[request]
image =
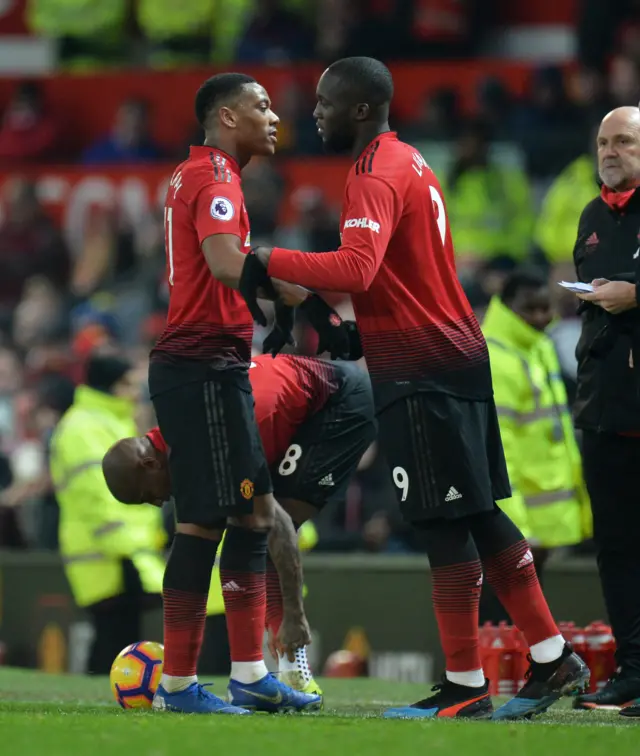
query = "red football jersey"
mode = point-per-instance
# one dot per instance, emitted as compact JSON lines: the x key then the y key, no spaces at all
{"x":206,"y":318}
{"x":397,"y":260}
{"x":287,"y":391}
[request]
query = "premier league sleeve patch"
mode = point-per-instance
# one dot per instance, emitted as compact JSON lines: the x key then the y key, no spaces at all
{"x":222,"y":209}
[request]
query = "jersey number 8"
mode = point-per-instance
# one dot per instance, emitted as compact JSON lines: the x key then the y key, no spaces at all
{"x":289,"y":462}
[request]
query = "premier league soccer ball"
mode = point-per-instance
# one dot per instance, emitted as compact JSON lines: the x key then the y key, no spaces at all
{"x":135,"y":674}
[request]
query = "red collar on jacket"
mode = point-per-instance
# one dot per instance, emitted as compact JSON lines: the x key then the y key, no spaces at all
{"x":616,"y":200}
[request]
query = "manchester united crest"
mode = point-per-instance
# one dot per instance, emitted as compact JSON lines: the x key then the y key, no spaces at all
{"x":246,"y":488}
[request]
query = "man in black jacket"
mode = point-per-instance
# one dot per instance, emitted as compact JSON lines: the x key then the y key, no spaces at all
{"x":607,"y":406}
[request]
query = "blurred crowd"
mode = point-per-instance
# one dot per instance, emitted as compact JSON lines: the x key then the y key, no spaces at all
{"x":164,"y":34}
{"x":516,"y":174}
{"x":161,"y":33}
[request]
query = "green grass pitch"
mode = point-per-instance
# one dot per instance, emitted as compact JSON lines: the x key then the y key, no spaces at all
{"x":51,"y":715}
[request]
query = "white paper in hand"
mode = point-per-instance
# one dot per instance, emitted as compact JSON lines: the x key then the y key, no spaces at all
{"x":577,"y":287}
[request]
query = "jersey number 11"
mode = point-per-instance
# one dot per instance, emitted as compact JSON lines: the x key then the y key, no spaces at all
{"x":168,"y":239}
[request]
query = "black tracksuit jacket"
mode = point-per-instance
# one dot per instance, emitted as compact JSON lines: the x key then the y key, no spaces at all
{"x":608,"y":391}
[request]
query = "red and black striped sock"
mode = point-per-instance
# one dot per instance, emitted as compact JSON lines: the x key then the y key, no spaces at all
{"x":457,"y":582}
{"x":242,"y":573}
{"x":512,"y":575}
{"x":184,"y":591}
{"x":509,"y":569}
{"x":274,"y":598}
{"x":456,"y":599}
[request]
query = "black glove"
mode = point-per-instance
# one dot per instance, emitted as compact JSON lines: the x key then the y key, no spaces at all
{"x":355,"y":345}
{"x":281,"y":333}
{"x":334,"y":336}
{"x":254,"y":277}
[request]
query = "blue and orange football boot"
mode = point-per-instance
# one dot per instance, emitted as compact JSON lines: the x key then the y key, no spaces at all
{"x":451,"y":701}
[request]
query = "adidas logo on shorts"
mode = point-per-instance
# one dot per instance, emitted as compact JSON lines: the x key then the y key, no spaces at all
{"x":326,"y":481}
{"x":453,"y":494}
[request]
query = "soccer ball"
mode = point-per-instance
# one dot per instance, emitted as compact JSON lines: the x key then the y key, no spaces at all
{"x":135,"y":674}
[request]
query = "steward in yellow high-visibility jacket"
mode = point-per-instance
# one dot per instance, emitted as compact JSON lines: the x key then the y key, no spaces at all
{"x":489,"y":205}
{"x":97,"y":29}
{"x":112,"y":553}
{"x":179,"y":37}
{"x":562,"y":206}
{"x":550,"y":504}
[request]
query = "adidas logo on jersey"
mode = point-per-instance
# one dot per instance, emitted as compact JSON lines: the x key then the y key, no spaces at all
{"x":453,"y":494}
{"x":326,"y":481}
{"x":232,"y":587}
{"x":526,"y":559}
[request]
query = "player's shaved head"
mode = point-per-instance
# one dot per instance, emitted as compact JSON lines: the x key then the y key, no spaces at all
{"x":136,"y":472}
{"x":354,"y":95}
{"x":363,"y":80}
{"x":619,"y":148}
{"x":119,"y":467}
{"x":219,"y":90}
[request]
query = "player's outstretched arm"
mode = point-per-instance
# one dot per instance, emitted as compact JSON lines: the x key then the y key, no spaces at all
{"x":370,"y":218}
{"x":284,"y":552}
{"x":326,"y":321}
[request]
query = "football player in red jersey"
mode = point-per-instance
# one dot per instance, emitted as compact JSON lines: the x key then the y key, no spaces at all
{"x":316,"y":420}
{"x":431,"y":378}
{"x":202,"y":399}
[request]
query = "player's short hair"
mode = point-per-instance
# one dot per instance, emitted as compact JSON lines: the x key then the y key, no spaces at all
{"x":367,"y":79}
{"x":117,"y":464}
{"x":217,"y":90}
{"x":526,"y":277}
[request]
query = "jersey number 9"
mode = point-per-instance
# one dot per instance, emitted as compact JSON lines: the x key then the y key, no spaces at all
{"x":401,"y":479}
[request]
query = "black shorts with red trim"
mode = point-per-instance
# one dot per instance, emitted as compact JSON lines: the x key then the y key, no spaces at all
{"x":206,"y":416}
{"x":325,"y":451}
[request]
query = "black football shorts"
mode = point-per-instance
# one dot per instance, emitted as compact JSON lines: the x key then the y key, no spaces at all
{"x":326,"y":449}
{"x":216,"y":459}
{"x":445,"y":455}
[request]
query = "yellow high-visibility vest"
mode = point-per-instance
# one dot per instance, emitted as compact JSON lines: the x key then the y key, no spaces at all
{"x":550,"y":503}
{"x":96,"y":531}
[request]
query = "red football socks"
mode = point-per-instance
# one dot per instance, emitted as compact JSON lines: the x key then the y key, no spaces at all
{"x":512,"y":575}
{"x":242,"y":573}
{"x":274,"y":598}
{"x":184,"y":592}
{"x":184,"y":619}
{"x":456,"y":597}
